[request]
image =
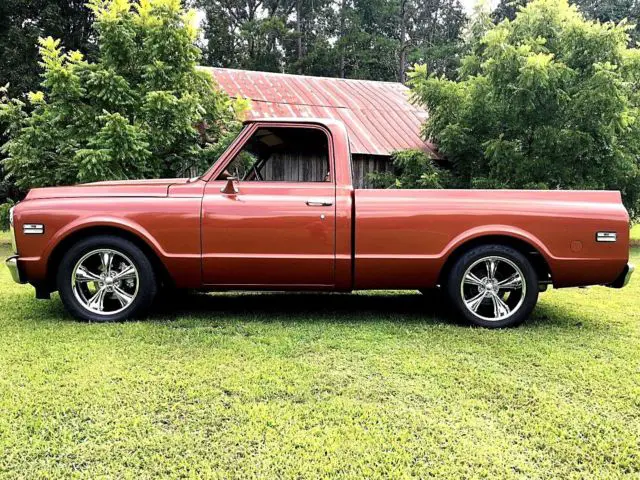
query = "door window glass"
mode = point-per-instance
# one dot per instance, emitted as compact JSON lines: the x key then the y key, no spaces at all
{"x":277,"y":154}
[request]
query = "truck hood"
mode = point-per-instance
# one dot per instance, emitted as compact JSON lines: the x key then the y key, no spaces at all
{"x":114,"y":188}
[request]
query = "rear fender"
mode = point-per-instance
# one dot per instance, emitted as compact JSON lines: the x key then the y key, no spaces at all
{"x":501,"y":231}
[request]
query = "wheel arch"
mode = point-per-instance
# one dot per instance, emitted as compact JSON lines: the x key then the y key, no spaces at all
{"x":85,"y":231}
{"x":534,"y":253}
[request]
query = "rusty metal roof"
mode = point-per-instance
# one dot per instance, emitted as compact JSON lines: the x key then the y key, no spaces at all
{"x":378,"y":115}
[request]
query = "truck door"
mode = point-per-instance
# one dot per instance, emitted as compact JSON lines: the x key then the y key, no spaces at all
{"x":275,"y":225}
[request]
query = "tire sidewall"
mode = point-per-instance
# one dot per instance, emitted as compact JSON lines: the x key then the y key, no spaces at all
{"x":467,"y":259}
{"x":147,"y":282}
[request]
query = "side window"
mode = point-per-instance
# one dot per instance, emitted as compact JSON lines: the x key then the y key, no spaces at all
{"x":282,"y":155}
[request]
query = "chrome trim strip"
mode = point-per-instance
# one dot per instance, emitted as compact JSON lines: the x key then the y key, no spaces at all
{"x":33,"y":228}
{"x":606,"y":236}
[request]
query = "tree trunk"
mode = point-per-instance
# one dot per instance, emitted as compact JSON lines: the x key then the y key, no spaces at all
{"x":403,"y":34}
{"x":299,"y":33}
{"x":343,"y":21}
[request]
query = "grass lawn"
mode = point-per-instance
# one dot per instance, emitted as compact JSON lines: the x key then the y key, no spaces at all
{"x":635,"y":235}
{"x":310,"y":386}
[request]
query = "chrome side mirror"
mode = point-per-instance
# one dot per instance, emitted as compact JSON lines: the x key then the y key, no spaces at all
{"x":230,"y":188}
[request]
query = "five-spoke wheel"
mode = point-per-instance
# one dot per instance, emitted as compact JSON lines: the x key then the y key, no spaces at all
{"x":106,"y":278}
{"x":105,"y":281}
{"x":493,"y":286}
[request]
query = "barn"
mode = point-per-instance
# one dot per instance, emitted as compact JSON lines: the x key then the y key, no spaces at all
{"x":378,"y":115}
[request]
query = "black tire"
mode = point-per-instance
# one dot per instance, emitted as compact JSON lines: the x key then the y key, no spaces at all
{"x":146,"y":279}
{"x":436,"y":295}
{"x":169,"y":295}
{"x":518,"y":307}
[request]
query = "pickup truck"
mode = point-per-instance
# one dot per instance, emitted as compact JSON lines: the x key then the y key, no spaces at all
{"x":278,"y":211}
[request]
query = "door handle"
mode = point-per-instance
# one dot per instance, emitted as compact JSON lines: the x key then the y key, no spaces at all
{"x":319,"y":203}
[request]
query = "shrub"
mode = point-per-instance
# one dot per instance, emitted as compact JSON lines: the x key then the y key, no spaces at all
{"x":411,"y":169}
{"x":4,"y":214}
{"x":132,"y":113}
{"x":548,"y":100}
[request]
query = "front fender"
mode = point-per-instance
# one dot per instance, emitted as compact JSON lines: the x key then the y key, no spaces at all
{"x":36,"y":265}
{"x":102,"y":221}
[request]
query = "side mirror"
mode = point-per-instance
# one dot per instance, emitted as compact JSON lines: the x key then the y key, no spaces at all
{"x":230,"y":187}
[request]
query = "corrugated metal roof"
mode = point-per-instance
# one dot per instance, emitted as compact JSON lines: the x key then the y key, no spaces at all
{"x":378,"y":115}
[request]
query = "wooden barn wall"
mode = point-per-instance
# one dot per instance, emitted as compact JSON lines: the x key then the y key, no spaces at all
{"x":314,"y":168}
{"x":296,"y":167}
{"x":362,"y":165}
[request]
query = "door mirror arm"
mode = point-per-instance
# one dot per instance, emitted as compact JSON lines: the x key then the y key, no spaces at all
{"x":230,"y":188}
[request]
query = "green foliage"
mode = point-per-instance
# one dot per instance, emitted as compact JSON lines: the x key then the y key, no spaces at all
{"x":4,"y":214}
{"x":22,"y":22}
{"x":615,"y":11}
{"x":132,"y":113}
{"x":548,"y":100}
{"x":411,"y":169}
{"x":369,"y":39}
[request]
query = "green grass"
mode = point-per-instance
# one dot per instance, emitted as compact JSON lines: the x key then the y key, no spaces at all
{"x":315,"y":386}
{"x":635,"y":235}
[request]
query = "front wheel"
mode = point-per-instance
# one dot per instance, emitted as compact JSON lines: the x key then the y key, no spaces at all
{"x":493,"y":286}
{"x":106,"y":278}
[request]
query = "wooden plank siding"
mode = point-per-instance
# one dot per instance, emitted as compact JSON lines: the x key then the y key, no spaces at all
{"x":313,"y":168}
{"x":305,"y":168}
{"x":296,"y":167}
{"x":362,"y":165}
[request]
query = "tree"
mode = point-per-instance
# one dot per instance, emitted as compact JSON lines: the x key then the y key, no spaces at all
{"x":23,"y":21}
{"x":270,"y":35}
{"x":549,"y":101}
{"x":434,"y":35}
{"x":369,"y":39}
{"x":368,"y":44}
{"x":603,"y":10}
{"x":132,"y":113}
{"x":308,"y":41}
{"x":507,"y":9}
{"x":244,"y":33}
{"x":378,"y":39}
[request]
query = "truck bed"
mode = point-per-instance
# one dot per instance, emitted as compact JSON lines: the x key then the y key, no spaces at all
{"x":404,"y":237}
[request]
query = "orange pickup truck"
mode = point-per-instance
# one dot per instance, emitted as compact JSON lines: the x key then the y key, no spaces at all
{"x":278,"y":211}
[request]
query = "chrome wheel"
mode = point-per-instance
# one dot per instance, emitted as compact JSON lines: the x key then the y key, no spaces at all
{"x":105,"y":281}
{"x":493,"y":288}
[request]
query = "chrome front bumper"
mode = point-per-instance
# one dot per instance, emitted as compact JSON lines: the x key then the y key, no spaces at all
{"x":12,"y":265}
{"x":624,"y":277}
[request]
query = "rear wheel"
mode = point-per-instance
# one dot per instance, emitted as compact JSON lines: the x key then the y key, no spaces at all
{"x":493,"y":286}
{"x":106,"y":278}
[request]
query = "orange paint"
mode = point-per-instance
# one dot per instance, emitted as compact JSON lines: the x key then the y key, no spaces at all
{"x":266,"y":236}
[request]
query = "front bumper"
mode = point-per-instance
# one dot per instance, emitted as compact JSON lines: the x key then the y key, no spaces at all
{"x":12,"y":265}
{"x":624,"y":277}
